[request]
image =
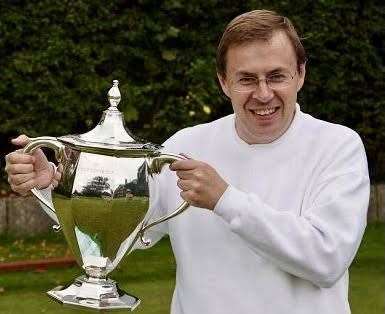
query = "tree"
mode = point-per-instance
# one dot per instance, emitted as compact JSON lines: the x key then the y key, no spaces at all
{"x":58,"y":60}
{"x":96,"y":187}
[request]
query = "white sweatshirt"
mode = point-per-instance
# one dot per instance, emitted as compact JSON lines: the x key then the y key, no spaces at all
{"x":282,"y":236}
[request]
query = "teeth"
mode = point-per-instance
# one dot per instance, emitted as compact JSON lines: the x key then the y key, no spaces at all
{"x":264,"y":112}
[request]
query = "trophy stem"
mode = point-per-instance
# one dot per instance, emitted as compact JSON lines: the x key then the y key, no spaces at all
{"x":94,"y":293}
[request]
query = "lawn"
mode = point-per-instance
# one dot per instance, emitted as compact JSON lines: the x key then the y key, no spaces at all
{"x":147,"y":274}
{"x":367,"y":273}
{"x":150,"y":275}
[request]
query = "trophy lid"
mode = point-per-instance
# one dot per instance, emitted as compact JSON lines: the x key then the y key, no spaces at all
{"x":110,"y":136}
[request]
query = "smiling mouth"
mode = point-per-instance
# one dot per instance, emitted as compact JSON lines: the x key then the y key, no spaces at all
{"x":265,"y":112}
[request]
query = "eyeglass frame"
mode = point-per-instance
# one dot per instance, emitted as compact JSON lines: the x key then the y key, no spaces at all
{"x":266,"y":79}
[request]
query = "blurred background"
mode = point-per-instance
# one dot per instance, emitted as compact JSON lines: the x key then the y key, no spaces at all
{"x":58,"y":60}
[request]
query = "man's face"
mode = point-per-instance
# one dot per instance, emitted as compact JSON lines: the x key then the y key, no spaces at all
{"x":263,"y":114}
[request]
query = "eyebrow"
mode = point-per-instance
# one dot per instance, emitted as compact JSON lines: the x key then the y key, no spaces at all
{"x":247,"y":73}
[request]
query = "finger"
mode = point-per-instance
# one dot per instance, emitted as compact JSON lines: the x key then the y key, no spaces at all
{"x":19,"y":168}
{"x":57,"y":176}
{"x":54,"y":183}
{"x":60,"y":168}
{"x":185,"y":185}
{"x":189,"y":196}
{"x":24,"y":188}
{"x":22,"y":193}
{"x":20,"y":178}
{"x":187,"y":164}
{"x":19,"y":158}
{"x":21,"y":140}
{"x":185,"y":174}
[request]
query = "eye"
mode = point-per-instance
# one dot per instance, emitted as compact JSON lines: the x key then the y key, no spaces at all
{"x":279,"y":77}
{"x":246,"y":80}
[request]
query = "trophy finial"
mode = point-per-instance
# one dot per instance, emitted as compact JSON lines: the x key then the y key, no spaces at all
{"x":114,"y":95}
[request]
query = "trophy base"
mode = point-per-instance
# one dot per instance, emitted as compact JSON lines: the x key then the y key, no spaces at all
{"x":94,"y":293}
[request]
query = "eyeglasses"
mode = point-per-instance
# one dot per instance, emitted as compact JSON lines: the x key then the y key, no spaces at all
{"x":274,"y":81}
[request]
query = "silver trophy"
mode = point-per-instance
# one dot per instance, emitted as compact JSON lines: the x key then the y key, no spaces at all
{"x":102,"y":203}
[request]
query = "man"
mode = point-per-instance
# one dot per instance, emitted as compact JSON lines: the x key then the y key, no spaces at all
{"x":279,"y":198}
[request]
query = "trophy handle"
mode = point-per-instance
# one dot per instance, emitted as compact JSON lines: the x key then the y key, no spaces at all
{"x":58,"y":148}
{"x":155,"y":166}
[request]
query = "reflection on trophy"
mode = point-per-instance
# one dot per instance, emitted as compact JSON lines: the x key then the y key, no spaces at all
{"x":102,"y":203}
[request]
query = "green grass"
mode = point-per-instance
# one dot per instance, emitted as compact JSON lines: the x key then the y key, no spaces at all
{"x":147,"y":274}
{"x":38,"y":247}
{"x":367,"y":273}
{"x":150,"y":275}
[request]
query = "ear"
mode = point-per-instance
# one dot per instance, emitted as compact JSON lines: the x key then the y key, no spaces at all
{"x":224,"y":85}
{"x":301,"y":76}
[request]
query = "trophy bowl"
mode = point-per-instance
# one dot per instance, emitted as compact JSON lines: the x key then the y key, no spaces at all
{"x":102,"y":203}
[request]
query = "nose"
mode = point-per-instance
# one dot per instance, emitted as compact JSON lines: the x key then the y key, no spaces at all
{"x":262,"y":92}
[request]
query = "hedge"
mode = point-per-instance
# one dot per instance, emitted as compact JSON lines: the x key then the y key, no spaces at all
{"x":58,"y":59}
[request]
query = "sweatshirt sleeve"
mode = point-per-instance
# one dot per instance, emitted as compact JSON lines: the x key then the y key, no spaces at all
{"x":320,"y":243}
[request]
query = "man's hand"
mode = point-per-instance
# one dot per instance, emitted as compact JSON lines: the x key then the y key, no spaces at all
{"x":29,"y":171}
{"x":201,"y":185}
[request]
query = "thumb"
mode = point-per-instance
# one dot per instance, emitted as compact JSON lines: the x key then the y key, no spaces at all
{"x":21,"y":140}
